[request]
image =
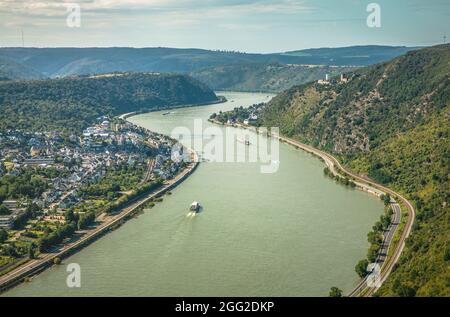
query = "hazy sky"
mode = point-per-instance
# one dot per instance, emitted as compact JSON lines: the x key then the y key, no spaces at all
{"x":244,"y":25}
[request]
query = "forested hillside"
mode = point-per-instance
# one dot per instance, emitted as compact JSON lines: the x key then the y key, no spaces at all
{"x":390,"y":122}
{"x":73,"y":103}
{"x":270,"y":77}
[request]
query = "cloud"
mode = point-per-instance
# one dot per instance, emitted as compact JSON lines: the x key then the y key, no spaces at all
{"x":56,"y":7}
{"x":246,"y":27}
{"x":245,"y":15}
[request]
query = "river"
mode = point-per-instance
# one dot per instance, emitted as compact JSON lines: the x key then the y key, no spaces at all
{"x":290,"y":233}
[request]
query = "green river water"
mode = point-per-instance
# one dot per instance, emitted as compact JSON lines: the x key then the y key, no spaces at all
{"x":290,"y":233}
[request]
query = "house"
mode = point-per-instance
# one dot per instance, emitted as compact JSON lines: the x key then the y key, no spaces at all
{"x":325,"y":81}
{"x":39,"y":161}
{"x":74,"y":178}
{"x":130,"y":161}
{"x":68,"y":202}
{"x":35,"y":150}
{"x":252,"y":118}
{"x":105,"y":124}
{"x":39,"y":202}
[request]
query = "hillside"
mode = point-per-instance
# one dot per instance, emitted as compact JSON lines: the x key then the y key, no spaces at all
{"x":60,"y":62}
{"x":72,"y":103}
{"x":390,"y":122}
{"x":272,"y":77}
{"x":10,"y":70}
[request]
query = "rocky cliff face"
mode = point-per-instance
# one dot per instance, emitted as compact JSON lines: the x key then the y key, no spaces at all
{"x":375,"y":103}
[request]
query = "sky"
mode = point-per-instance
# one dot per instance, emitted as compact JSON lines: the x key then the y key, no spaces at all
{"x":258,"y":26}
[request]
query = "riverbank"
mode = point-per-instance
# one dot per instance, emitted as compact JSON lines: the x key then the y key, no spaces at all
{"x":277,"y":215}
{"x":388,"y":260}
{"x":83,"y":238}
{"x":125,"y":116}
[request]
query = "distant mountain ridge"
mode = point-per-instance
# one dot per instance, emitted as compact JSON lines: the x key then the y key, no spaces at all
{"x":360,"y":55}
{"x":267,"y":77}
{"x":61,"y":62}
{"x":11,"y":70}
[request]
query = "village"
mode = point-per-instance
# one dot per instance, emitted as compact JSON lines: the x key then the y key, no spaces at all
{"x":65,"y":164}
{"x":240,"y":115}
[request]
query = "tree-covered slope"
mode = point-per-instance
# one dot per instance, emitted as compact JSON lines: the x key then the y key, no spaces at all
{"x":376,"y":103}
{"x":72,"y":103}
{"x":416,"y":163}
{"x":390,"y":122}
{"x":271,"y":77}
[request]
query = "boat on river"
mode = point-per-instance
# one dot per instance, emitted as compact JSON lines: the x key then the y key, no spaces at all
{"x":195,"y":206}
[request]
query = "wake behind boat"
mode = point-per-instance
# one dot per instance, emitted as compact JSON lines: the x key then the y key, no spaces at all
{"x":246,"y":142}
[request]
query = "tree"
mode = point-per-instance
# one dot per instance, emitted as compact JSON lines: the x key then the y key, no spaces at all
{"x":32,"y":251}
{"x":86,"y":220}
{"x":335,"y":292}
{"x":373,"y":252}
{"x":4,"y":210}
{"x":361,"y":268}
{"x":403,"y":290}
{"x":386,"y":199}
{"x":3,"y":193}
{"x":70,"y":216}
{"x":3,"y":235}
{"x":385,"y":221}
{"x":378,"y":227}
{"x":374,"y":237}
{"x":34,"y":208}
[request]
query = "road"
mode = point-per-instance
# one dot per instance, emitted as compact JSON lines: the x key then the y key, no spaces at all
{"x":368,"y":185}
{"x":46,"y":259}
{"x":148,"y":172}
{"x":382,"y":255}
{"x":376,"y":189}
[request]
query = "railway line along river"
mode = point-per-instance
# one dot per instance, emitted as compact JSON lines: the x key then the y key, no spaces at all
{"x":290,"y":233}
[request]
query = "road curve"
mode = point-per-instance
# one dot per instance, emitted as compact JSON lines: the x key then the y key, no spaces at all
{"x":373,"y":188}
{"x":362,"y":289}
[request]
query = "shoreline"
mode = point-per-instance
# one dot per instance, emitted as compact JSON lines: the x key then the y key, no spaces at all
{"x":33,"y":267}
{"x":369,"y":186}
{"x":220,"y":99}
